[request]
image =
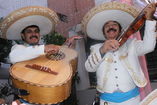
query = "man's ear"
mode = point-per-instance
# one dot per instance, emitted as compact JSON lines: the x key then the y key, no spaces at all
{"x":22,"y":36}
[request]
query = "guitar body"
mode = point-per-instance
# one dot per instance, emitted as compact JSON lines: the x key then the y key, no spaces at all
{"x":44,"y":87}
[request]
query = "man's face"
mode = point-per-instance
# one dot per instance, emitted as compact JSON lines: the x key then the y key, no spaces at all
{"x":111,"y":30}
{"x":31,"y":35}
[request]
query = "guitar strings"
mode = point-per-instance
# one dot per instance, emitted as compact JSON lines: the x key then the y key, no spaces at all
{"x":49,"y":62}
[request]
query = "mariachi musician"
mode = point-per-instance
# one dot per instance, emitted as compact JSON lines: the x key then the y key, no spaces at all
{"x":119,"y":74}
{"x":28,"y":26}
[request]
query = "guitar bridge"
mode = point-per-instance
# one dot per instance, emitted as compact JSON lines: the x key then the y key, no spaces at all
{"x":41,"y":68}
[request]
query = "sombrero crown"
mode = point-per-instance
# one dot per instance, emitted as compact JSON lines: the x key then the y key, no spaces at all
{"x":14,"y":23}
{"x":94,"y":20}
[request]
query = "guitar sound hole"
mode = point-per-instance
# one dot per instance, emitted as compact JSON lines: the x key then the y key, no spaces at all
{"x":58,"y":56}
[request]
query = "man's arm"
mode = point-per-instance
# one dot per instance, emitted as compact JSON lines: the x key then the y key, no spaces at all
{"x":149,"y":40}
{"x":70,"y":41}
{"x":21,"y":53}
{"x":94,"y":59}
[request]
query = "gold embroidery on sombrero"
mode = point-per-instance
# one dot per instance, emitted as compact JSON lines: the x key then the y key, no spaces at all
{"x":24,"y":12}
{"x":107,"y":6}
{"x":150,"y":99}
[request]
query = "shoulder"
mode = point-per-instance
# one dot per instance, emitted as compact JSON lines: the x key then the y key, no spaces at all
{"x":131,"y":41}
{"x":18,"y":46}
{"x":150,"y":23}
{"x":96,"y":46}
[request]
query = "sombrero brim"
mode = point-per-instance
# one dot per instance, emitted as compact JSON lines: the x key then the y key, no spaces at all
{"x":150,"y":99}
{"x":13,"y":24}
{"x":94,"y":20}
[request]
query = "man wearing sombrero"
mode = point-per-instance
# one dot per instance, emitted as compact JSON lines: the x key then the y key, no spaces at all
{"x":28,"y":24}
{"x":119,"y":74}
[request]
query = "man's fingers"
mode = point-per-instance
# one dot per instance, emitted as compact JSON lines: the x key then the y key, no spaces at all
{"x":52,"y":49}
{"x":114,"y":45}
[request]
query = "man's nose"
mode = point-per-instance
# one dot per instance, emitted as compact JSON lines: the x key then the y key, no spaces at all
{"x":110,"y":26}
{"x":34,"y":33}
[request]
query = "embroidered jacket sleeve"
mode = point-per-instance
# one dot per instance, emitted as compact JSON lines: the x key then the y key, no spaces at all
{"x":21,"y":53}
{"x":149,"y":40}
{"x":94,"y":59}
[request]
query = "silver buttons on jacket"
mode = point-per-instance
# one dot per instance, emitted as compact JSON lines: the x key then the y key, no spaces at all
{"x":117,"y":85}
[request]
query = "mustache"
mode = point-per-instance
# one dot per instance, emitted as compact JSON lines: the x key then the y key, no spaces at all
{"x":111,"y":29}
{"x":33,"y":37}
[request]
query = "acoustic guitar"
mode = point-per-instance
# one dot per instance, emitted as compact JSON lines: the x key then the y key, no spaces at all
{"x":46,"y":78}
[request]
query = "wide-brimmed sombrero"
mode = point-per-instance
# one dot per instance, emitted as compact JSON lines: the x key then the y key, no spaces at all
{"x":150,"y":99}
{"x":94,"y":20}
{"x":14,"y":23}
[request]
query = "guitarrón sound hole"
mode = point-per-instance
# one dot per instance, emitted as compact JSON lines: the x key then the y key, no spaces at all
{"x":58,"y":56}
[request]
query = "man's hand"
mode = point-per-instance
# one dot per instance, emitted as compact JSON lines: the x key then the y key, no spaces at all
{"x":17,"y":102}
{"x":150,"y":10}
{"x":71,"y":40}
{"x":109,"y":45}
{"x":2,"y":101}
{"x":51,"y":49}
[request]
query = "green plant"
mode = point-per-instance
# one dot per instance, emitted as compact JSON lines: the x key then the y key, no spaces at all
{"x":54,"y":38}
